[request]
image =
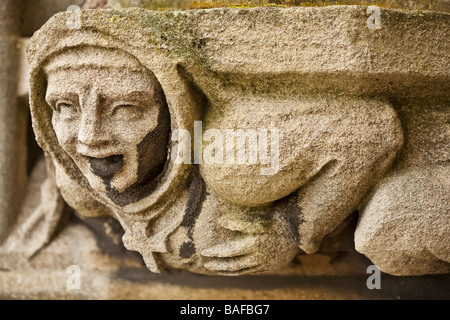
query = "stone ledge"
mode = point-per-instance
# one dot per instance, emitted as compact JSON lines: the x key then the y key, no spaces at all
{"x":139,"y":285}
{"x":324,"y":49}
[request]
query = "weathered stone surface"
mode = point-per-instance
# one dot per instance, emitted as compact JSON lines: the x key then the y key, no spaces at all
{"x":327,"y":97}
{"x":404,"y":228}
{"x":108,"y":271}
{"x":350,"y":119}
{"x":435,"y":5}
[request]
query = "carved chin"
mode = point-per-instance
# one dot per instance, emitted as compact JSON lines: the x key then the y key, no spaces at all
{"x":127,"y":175}
{"x":97,"y":183}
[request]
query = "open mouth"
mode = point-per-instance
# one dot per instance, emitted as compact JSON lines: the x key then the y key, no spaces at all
{"x":106,"y":167}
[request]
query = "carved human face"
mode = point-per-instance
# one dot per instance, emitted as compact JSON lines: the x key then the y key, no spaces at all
{"x":112,"y":122}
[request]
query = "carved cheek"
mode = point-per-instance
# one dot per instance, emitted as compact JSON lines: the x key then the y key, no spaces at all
{"x":130,"y":129}
{"x":66,"y":131}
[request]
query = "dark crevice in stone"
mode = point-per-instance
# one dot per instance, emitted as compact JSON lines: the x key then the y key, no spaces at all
{"x":148,"y":178}
{"x":106,"y":167}
{"x":292,"y":215}
{"x":187,"y":250}
{"x":197,"y":188}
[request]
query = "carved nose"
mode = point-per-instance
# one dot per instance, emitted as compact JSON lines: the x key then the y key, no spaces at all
{"x":92,"y":134}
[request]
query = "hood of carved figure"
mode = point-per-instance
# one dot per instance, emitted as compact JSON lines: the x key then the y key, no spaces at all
{"x":110,"y":116}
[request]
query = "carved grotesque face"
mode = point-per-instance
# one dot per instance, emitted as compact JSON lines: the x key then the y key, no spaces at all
{"x":111,"y":119}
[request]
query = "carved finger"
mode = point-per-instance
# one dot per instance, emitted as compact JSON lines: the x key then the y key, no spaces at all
{"x":239,"y":264}
{"x":231,"y":249}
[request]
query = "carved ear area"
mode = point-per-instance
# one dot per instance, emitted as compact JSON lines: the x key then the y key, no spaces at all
{"x":153,"y":149}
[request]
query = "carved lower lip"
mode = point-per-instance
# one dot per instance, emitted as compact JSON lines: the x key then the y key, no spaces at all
{"x":106,"y":167}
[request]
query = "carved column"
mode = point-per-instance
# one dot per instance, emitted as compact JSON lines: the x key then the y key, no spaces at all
{"x":12,"y":119}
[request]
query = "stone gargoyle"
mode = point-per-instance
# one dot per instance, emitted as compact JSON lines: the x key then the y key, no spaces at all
{"x":227,"y":141}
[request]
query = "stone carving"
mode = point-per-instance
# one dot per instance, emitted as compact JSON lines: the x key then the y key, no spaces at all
{"x":115,"y":102}
{"x":111,"y":119}
{"x":405,"y":225}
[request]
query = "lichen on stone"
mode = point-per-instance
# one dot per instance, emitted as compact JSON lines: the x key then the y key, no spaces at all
{"x":175,"y":31}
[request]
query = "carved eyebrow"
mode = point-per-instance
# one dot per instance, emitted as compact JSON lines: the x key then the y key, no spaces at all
{"x":55,"y":96}
{"x":138,"y":95}
{"x":134,"y":96}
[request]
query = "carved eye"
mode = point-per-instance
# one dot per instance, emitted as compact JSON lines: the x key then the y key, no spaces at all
{"x":65,"y":106}
{"x":129,"y":111}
